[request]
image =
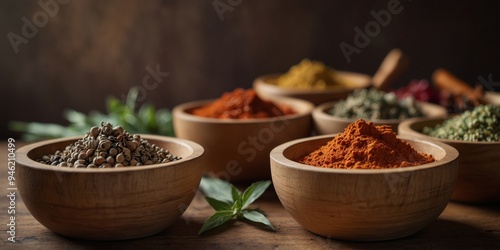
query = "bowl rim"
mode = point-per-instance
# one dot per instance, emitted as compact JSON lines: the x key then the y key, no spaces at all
{"x":261,"y":81}
{"x":23,"y":159}
{"x":405,"y":126}
{"x":277,"y":156}
{"x":180,"y":111}
{"x":320,"y":112}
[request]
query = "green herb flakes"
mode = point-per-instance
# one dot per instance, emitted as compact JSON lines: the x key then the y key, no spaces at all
{"x":374,"y":104}
{"x":480,"y":124}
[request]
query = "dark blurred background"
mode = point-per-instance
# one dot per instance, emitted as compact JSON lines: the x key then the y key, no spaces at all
{"x":84,"y":51}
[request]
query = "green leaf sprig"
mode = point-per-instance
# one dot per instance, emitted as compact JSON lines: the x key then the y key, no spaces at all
{"x":229,"y":202}
{"x":146,"y":120}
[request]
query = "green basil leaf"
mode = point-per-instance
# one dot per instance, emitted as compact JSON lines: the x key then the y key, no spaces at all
{"x":216,"y":188}
{"x":236,"y":194}
{"x":119,"y":112}
{"x":132,"y":95}
{"x":218,"y":204}
{"x":147,"y":116}
{"x":113,"y":105}
{"x":215,"y":220}
{"x":75,"y":117}
{"x":253,"y":192}
{"x":164,"y":120}
{"x":258,"y":217}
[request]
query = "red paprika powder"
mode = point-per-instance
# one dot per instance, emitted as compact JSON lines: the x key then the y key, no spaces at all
{"x":365,"y":146}
{"x":242,"y":104}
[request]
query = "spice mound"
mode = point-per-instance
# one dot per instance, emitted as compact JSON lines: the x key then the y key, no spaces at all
{"x":375,"y":104}
{"x":365,"y":146}
{"x":480,"y":124}
{"x":109,"y":147}
{"x":242,"y":104}
{"x":310,"y":74}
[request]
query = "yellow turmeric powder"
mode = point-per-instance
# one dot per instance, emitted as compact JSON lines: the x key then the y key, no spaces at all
{"x":310,"y":74}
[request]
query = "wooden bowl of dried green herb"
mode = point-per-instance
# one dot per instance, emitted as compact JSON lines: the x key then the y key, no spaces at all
{"x":109,"y":203}
{"x":475,"y":134}
{"x":363,"y":199}
{"x":376,"y":106}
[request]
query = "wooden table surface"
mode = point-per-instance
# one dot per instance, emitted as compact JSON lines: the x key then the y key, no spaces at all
{"x":460,"y":226}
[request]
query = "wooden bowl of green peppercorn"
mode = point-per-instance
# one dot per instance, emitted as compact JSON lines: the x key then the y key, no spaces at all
{"x":478,"y":178}
{"x":108,"y":203}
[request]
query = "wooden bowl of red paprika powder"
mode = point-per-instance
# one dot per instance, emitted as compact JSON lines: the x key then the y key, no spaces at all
{"x":363,"y":204}
{"x":236,"y":133}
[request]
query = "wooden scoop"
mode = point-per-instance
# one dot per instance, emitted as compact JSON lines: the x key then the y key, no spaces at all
{"x":447,"y":81}
{"x":394,"y":63}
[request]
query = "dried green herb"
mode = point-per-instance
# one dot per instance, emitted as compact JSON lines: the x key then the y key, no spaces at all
{"x":229,"y":202}
{"x":480,"y":124}
{"x":375,"y":104}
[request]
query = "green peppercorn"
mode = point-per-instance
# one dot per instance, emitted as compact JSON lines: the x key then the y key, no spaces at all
{"x":480,"y":124}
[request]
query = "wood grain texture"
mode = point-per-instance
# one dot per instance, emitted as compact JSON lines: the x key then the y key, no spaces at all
{"x":479,"y":163}
{"x":460,"y":226}
{"x":108,"y":204}
{"x":360,"y":204}
{"x":238,"y":149}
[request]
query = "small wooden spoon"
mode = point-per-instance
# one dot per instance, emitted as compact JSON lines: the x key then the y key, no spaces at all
{"x":394,"y":63}
{"x":447,"y":81}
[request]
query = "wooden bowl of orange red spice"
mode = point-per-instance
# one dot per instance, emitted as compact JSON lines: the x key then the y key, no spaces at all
{"x":115,"y":203}
{"x":479,"y":171}
{"x":239,"y":129}
{"x":311,"y":81}
{"x":371,"y":185}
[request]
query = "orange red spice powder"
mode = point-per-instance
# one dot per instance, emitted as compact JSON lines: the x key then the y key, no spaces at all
{"x":242,"y":104}
{"x":365,"y":146}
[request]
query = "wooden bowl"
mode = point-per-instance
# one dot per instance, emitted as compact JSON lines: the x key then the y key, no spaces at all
{"x":237,"y":150}
{"x":325,"y":123}
{"x":113,"y":203}
{"x":479,"y":172}
{"x":315,"y":96}
{"x":492,"y":97}
{"x":363,"y":204}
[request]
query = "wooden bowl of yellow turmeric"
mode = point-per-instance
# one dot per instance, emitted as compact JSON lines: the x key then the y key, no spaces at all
{"x":350,"y":198}
{"x":311,"y":81}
